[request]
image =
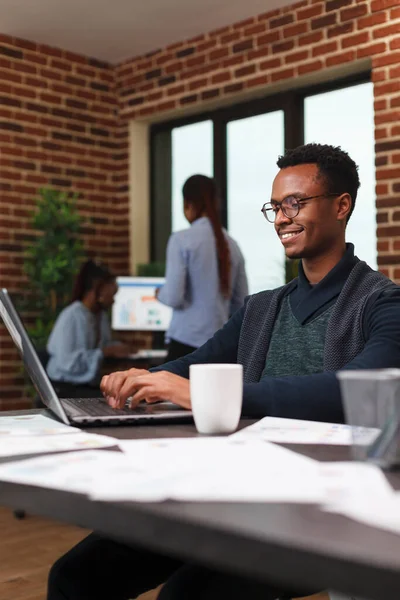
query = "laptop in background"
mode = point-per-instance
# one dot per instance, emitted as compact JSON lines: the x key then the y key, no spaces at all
{"x":136,"y":308}
{"x":78,"y":411}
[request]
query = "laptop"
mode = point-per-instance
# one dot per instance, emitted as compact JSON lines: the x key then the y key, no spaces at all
{"x":79,"y":411}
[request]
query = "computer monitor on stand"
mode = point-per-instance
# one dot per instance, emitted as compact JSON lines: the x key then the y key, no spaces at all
{"x":136,"y":308}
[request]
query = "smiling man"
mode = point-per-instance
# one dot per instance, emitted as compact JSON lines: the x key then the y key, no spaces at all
{"x":338,"y":313}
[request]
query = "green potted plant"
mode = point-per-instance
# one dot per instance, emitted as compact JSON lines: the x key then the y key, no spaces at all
{"x":53,"y":259}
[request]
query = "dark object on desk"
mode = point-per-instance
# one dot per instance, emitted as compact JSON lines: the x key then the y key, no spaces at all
{"x":80,"y":411}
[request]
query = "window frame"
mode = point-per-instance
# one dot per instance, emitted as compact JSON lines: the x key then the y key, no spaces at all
{"x":290,"y":101}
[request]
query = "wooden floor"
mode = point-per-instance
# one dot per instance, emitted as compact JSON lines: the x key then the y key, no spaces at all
{"x":28,"y":548}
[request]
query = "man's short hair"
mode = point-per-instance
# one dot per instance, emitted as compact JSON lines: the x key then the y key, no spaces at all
{"x":334,"y":165}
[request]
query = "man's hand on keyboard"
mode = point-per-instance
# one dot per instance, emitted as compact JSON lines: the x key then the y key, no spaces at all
{"x":112,"y":384}
{"x":139,"y":384}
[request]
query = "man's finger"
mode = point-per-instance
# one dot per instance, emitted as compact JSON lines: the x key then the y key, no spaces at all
{"x":103,"y":382}
{"x":132,"y":385}
{"x":111,"y":384}
{"x":146,"y":392}
{"x":114,"y":384}
{"x":106,"y":383}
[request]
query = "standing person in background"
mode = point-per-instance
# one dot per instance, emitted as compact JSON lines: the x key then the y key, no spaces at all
{"x":81,"y":336}
{"x":205,"y":278}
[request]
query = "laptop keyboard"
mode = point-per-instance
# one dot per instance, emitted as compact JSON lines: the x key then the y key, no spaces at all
{"x":98,"y":407}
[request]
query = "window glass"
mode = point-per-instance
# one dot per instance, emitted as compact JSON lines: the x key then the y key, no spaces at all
{"x":253,"y":147}
{"x":345,"y":118}
{"x":192,"y":152}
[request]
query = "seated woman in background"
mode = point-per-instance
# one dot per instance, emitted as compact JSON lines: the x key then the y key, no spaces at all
{"x":81,"y":336}
{"x":205,"y":277}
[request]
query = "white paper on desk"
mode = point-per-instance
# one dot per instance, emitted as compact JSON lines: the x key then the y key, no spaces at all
{"x":209,"y":452}
{"x":212,"y":469}
{"x":296,"y":431}
{"x":21,"y":445}
{"x":71,"y":471}
{"x":346,"y":482}
{"x":383,"y":513}
{"x":361,"y":492}
{"x":32,"y":425}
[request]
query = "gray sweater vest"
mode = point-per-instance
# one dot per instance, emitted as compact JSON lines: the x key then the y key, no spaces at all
{"x":296,"y":348}
{"x":344,"y":335}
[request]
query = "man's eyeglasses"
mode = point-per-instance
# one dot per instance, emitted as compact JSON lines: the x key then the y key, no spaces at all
{"x":290,"y":206}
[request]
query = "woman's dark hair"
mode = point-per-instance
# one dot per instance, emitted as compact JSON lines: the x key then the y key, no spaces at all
{"x":335,"y":166}
{"x":200,"y":192}
{"x":91,"y":275}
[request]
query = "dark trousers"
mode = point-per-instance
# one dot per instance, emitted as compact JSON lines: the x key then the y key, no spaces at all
{"x":192,"y":582}
{"x":101,"y":569}
{"x":177,"y":350}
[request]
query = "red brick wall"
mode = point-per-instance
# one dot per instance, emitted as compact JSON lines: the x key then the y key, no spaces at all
{"x":58,"y":128}
{"x":63,"y":118}
{"x":277,"y":47}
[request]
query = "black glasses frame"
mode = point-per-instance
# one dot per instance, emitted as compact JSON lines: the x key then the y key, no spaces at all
{"x":268,"y":209}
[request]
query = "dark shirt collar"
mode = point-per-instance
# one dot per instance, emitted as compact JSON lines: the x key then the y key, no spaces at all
{"x":307,"y":299}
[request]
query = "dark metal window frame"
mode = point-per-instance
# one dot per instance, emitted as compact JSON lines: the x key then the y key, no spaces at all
{"x":291,"y":102}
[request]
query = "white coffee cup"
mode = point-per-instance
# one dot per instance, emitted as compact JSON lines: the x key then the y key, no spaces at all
{"x":216,"y":392}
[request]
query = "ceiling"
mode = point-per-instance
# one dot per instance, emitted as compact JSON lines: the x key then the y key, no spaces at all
{"x":120,"y":29}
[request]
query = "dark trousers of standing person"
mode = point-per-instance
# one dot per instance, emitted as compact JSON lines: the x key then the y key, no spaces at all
{"x":177,"y":350}
{"x":101,"y":569}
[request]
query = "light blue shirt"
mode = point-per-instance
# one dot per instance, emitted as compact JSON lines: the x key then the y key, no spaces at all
{"x":192,"y":284}
{"x":74,"y":355}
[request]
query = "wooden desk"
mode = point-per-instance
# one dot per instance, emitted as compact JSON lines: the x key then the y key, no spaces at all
{"x":285,"y":543}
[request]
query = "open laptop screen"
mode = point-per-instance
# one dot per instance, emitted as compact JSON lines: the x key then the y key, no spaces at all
{"x":29,"y":355}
